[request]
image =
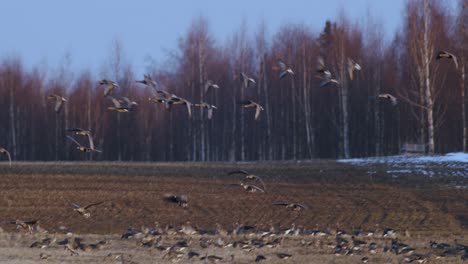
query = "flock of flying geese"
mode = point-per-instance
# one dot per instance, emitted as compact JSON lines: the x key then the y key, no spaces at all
{"x":124,"y":104}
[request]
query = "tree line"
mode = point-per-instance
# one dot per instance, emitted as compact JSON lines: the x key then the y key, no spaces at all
{"x":301,"y":120}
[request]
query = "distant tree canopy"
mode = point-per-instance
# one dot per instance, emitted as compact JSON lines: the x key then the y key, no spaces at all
{"x":300,"y":119}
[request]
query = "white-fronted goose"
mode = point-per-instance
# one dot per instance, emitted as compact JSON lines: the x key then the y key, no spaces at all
{"x":448,"y":55}
{"x":246,"y":80}
{"x":284,"y":70}
{"x":59,"y":100}
{"x":250,"y":103}
{"x":249,"y":176}
{"x":390,"y":97}
{"x":148,"y":81}
{"x":120,"y":106}
{"x":209,"y":108}
{"x":327,"y":79}
{"x":83,"y":210}
{"x":352,"y":66}
{"x":5,"y":152}
{"x":110,"y":85}
{"x":175,"y":100}
{"x":283,"y":255}
{"x":82,"y":148}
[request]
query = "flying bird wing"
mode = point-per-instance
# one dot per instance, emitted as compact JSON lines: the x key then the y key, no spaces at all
{"x":281,"y":65}
{"x":281,"y":204}
{"x":91,"y":142}
{"x":93,"y":204}
{"x":455,"y":61}
{"x":58,"y":105}
{"x":7,"y":153}
{"x":282,"y":74}
{"x":258,"y":108}
{"x":239,"y":172}
{"x":74,"y":205}
{"x":74,"y":140}
{"x":210,"y":113}
{"x":108,"y":89}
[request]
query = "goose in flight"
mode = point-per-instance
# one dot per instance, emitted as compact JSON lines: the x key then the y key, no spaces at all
{"x":210,"y":84}
{"x":181,"y":200}
{"x":284,"y":70}
{"x":24,"y":224}
{"x":82,"y":148}
{"x":327,"y":79}
{"x":121,"y":105}
{"x":110,"y":85}
{"x":59,"y":100}
{"x":79,"y":131}
{"x":5,"y":152}
{"x":448,"y":55}
{"x":293,"y":206}
{"x":247,"y":187}
{"x":390,"y":97}
{"x":246,"y":80}
{"x":352,"y":66}
{"x":209,"y":108}
{"x":249,"y":176}
{"x":148,"y":81}
{"x":250,"y":103}
{"x":83,"y":210}
{"x":175,"y":100}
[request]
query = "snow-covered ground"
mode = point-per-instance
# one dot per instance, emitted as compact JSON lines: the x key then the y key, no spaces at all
{"x":451,"y":164}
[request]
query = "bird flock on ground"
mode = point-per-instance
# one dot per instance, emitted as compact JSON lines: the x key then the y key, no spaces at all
{"x":343,"y":243}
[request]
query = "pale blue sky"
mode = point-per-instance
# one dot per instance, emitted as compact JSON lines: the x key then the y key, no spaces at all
{"x":44,"y":31}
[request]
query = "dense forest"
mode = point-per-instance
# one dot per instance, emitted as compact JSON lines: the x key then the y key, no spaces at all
{"x":300,"y":120}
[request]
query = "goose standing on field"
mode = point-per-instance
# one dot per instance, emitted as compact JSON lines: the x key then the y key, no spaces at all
{"x":246,"y":80}
{"x":448,"y":55}
{"x":148,"y":81}
{"x":210,"y":84}
{"x":250,"y":103}
{"x":208,"y":107}
{"x":284,"y":70}
{"x":83,"y":210}
{"x":59,"y":100}
{"x":249,"y":176}
{"x":110,"y":85}
{"x":390,"y":97}
{"x":5,"y":152}
{"x":352,"y":66}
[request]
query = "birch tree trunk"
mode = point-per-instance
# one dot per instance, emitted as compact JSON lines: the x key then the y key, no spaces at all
{"x":12,"y":121}
{"x":428,"y":94}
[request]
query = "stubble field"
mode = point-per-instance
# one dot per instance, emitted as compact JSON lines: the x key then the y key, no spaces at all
{"x":337,"y":195}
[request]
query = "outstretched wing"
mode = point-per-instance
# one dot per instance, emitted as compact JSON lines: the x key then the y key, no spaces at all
{"x":281,"y":204}
{"x":281,"y":65}
{"x":455,"y":61}
{"x":74,"y":140}
{"x":7,"y":153}
{"x":74,"y":205}
{"x":258,"y":108}
{"x":91,"y":142}
{"x":239,"y":172}
{"x":58,"y":105}
{"x":93,"y":204}
{"x":210,"y":113}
